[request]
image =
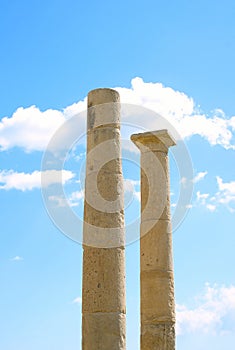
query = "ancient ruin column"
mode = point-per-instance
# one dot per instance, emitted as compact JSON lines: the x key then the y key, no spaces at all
{"x":103,"y":291}
{"x":156,"y":267}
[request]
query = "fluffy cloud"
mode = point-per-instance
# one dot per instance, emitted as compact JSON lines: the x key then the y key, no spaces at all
{"x":202,"y":197}
{"x":163,"y":100}
{"x":224,"y":196}
{"x":215,"y":130}
{"x":214,"y":312}
{"x":180,"y":111}
{"x":199,"y":176}
{"x":31,"y":129}
{"x":28,"y":181}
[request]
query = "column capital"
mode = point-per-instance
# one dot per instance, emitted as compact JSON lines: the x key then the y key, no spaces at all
{"x":159,"y":140}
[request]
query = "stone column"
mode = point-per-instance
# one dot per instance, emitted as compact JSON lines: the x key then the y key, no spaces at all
{"x":156,"y":267}
{"x":103,"y":291}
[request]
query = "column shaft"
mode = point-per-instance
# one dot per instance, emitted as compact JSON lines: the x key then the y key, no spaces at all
{"x":103,"y":293}
{"x":156,"y":267}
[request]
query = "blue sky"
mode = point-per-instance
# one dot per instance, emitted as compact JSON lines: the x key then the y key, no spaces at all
{"x":175,"y":58}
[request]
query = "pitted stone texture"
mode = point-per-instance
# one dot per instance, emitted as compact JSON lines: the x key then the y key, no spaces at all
{"x":110,"y":186}
{"x":156,"y":279}
{"x":159,"y":140}
{"x":100,"y":135}
{"x":158,"y":337}
{"x":155,"y":194}
{"x":99,"y":237}
{"x":103,"y":108}
{"x":98,"y":218}
{"x":104,"y":192}
{"x":156,"y":245}
{"x":103,"y":280}
{"x":103,"y":295}
{"x":103,"y":331}
{"x":104,"y":150}
{"x":157,"y":296}
{"x":101,"y":96}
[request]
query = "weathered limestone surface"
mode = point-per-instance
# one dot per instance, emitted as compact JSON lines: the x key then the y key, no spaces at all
{"x":108,"y":330}
{"x":157,"y":337}
{"x":102,"y":278}
{"x":103,"y":294}
{"x":156,"y":275}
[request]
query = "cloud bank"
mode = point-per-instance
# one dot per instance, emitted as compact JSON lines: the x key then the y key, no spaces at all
{"x":28,"y":181}
{"x":31,"y":129}
{"x":213,"y":314}
{"x":224,"y":196}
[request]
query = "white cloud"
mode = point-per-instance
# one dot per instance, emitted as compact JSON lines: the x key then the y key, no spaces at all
{"x":228,"y":187}
{"x":180,"y":110}
{"x":72,"y":200}
{"x":232,"y":123}
{"x":224,"y":196}
{"x":59,"y":201}
{"x":211,"y":207}
{"x":200,"y":176}
{"x":76,"y":197}
{"x":17,"y":258}
{"x":137,"y":195}
{"x":215,"y":130}
{"x":28,"y":181}
{"x":75,"y":108}
{"x":202,"y":197}
{"x":131,"y":191}
{"x":77,"y":300}
{"x":163,"y":100}
{"x":31,"y":129}
{"x":214,"y":312}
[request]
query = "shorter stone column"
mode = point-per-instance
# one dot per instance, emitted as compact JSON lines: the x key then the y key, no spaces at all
{"x":156,"y":267}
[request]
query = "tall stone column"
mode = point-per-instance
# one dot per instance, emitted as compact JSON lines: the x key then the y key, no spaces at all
{"x":156,"y":267}
{"x":103,"y":291}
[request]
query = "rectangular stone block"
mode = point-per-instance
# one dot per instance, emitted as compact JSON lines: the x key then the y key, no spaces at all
{"x":103,"y":331}
{"x":106,"y":113}
{"x":99,"y":135}
{"x":103,"y":280}
{"x":100,"y":237}
{"x":99,"y":217}
{"x":106,"y":153}
{"x":157,"y":297}
{"x":156,"y":245}
{"x":155,"y":192}
{"x":104,"y":191}
{"x":158,"y":337}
